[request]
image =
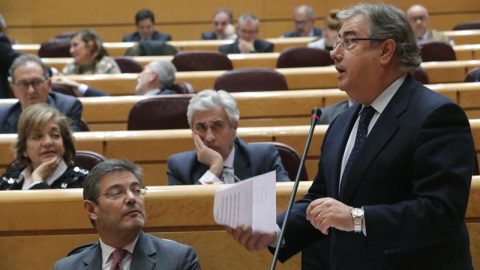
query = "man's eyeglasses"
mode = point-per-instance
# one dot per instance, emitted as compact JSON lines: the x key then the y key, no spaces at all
{"x":348,"y":43}
{"x":36,"y":84}
{"x":416,"y":18}
{"x":117,"y":194}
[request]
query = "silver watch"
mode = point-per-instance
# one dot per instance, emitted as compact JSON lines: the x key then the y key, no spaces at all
{"x":357,"y":215}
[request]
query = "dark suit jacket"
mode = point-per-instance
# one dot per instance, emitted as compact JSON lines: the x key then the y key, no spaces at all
{"x":166,"y":92}
{"x":68,"y":105}
{"x":316,"y":32}
{"x":330,"y":112}
{"x":149,"y":253}
{"x":155,"y":36}
{"x":261,"y":46}
{"x":208,"y":35}
{"x":412,"y":179}
{"x":250,"y":160}
{"x":7,"y":55}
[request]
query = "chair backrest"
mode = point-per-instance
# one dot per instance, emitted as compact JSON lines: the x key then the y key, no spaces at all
{"x":421,"y":75}
{"x":166,"y":112}
{"x":83,"y":158}
{"x":436,"y":50}
{"x":290,"y":160}
{"x":64,"y":89}
{"x":303,"y":57}
{"x":471,"y":25}
{"x":128,"y":64}
{"x":84,"y":125}
{"x":58,"y":47}
{"x":251,"y":79}
{"x":473,"y":75}
{"x":201,"y":61}
{"x":183,"y":88}
{"x":88,"y":159}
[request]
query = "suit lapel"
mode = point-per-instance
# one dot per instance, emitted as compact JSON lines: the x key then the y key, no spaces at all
{"x":143,"y":254}
{"x":94,"y":259}
{"x":241,"y":163}
{"x":340,"y":143}
{"x":13,"y":116}
{"x":385,"y":128}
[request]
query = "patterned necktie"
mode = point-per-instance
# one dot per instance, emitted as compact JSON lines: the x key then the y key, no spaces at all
{"x":118,"y":256}
{"x":365,"y":117}
{"x":227,"y":175}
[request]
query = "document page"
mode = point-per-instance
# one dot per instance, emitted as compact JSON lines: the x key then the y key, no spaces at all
{"x":248,"y":203}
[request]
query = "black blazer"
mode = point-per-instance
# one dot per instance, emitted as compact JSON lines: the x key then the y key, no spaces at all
{"x":209,"y":35}
{"x":261,"y":46}
{"x":7,"y":55}
{"x":155,"y":36}
{"x":68,"y":105}
{"x":412,"y":178}
{"x":317,"y":32}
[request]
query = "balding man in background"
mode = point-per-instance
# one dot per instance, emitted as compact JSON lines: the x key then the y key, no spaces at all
{"x":304,"y":19}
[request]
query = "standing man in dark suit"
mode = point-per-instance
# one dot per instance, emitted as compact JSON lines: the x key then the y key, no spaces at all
{"x":247,"y":42}
{"x":223,"y":26}
{"x":395,"y":169}
{"x":304,"y":19}
{"x":115,"y":203}
{"x":219,"y":155}
{"x":145,"y":22}
{"x":157,"y":78}
{"x":31,"y":84}
{"x":7,"y":55}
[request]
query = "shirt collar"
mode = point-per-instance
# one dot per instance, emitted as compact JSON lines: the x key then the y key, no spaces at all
{"x":384,"y":98}
{"x":231,"y":157}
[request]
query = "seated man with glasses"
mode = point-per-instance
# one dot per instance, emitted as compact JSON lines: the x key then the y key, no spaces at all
{"x":304,"y":19}
{"x":31,"y":84}
{"x":115,"y":203}
{"x":247,"y":42}
{"x":220,"y":156}
{"x":419,"y":20}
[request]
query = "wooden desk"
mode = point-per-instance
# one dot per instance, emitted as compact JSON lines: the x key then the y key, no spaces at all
{"x":44,"y":226}
{"x":265,"y":60}
{"x":119,"y":48}
{"x":297,"y":78}
{"x":60,"y":224}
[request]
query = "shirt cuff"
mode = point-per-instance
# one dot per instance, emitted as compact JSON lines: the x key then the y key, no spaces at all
{"x":82,"y":88}
{"x":209,"y":178}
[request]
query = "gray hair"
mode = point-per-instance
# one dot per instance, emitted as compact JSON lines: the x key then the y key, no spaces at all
{"x":22,"y":60}
{"x":91,"y":186}
{"x":247,"y":17}
{"x":226,"y":11}
{"x":2,"y":23}
{"x":389,"y":22}
{"x":304,"y":8}
{"x":207,"y":100}
{"x":165,"y":71}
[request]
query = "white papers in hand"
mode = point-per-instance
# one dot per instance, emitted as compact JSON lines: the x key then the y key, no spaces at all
{"x":249,"y":203}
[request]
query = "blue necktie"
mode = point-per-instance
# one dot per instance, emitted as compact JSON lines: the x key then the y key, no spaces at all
{"x":365,"y":117}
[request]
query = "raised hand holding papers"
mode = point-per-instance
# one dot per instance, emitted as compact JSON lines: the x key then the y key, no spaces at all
{"x":249,"y":203}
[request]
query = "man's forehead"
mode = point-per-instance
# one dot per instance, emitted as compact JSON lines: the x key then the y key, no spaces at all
{"x":118,"y":178}
{"x":29,"y":68}
{"x":354,"y":26}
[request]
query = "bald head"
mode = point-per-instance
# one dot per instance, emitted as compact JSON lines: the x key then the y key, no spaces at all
{"x":418,"y":18}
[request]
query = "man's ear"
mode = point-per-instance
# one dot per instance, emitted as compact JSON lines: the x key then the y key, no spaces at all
{"x":389,"y":47}
{"x":235,"y":127}
{"x":90,"y":208}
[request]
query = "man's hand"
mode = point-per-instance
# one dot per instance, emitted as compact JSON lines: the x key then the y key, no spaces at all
{"x":208,"y":156}
{"x":245,"y":46}
{"x":327,"y":212}
{"x":45,"y":170}
{"x":252,"y":241}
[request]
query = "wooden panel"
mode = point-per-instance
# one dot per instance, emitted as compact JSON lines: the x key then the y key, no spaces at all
{"x":61,"y":224}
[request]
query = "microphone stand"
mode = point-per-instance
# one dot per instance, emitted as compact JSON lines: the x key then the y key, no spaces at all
{"x":316,"y":112}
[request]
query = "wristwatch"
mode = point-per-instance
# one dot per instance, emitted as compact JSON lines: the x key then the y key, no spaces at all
{"x":357,"y":215}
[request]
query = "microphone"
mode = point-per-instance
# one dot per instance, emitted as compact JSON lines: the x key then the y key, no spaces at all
{"x":316,"y":112}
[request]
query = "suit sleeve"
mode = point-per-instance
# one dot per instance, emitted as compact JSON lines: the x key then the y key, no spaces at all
{"x":92,"y":92}
{"x":173,"y":173}
{"x":441,"y":177}
{"x":277,"y":165}
{"x":190,"y":260}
